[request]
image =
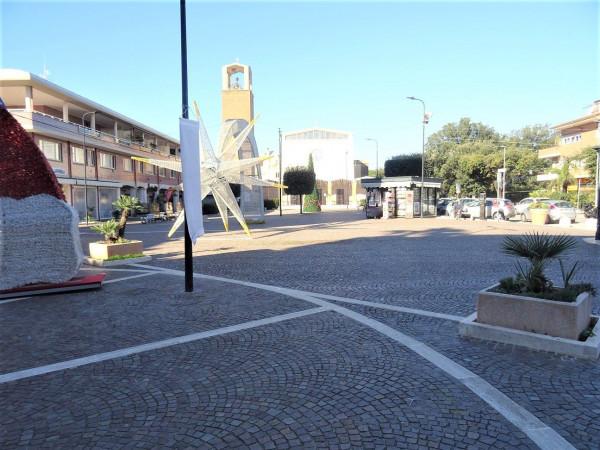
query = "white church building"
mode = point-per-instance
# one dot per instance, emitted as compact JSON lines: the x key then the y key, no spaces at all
{"x":333,"y":159}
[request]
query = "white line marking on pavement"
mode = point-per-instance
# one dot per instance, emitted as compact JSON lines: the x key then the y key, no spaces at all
{"x":104,"y":269}
{"x":91,"y":359}
{"x":13,"y":300}
{"x":540,"y":433}
{"x":139,"y":275}
{"x":402,"y":309}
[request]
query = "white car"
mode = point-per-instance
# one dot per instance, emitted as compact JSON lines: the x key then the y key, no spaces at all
{"x":559,"y":209}
{"x":523,"y":207}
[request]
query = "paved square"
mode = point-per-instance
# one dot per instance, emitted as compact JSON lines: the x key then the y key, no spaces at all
{"x":324,"y":331}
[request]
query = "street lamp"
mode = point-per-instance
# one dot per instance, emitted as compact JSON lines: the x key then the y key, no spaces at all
{"x":376,"y":155}
{"x":597,"y":148}
{"x":87,"y":220}
{"x":426,"y":117}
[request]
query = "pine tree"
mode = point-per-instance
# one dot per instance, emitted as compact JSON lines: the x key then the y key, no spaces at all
{"x":311,"y":201}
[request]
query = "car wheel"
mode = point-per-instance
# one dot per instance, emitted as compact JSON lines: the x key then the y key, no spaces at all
{"x":495,"y":216}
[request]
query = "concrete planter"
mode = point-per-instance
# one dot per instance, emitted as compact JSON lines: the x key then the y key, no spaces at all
{"x":539,"y":216}
{"x":559,"y":319}
{"x":102,"y":250}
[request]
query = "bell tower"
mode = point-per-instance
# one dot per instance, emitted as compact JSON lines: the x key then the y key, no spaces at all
{"x":237,"y":98}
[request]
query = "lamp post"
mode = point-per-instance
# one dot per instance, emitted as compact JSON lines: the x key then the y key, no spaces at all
{"x":280,"y":176}
{"x":376,"y":156}
{"x":189,"y":262}
{"x":87,"y":221}
{"x":597,"y":148}
{"x":425,"y":121}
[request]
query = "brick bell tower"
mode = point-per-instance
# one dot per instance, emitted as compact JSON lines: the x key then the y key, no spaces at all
{"x":237,"y":96}
{"x":237,"y":111}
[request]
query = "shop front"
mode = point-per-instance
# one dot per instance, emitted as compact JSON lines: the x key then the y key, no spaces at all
{"x":400,"y":197}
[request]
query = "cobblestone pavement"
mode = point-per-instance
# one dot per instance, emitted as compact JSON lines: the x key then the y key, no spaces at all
{"x":433,"y":264}
{"x":560,"y":390}
{"x":313,"y":381}
{"x":319,"y":382}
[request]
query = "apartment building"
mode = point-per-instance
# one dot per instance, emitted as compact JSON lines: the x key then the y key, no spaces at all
{"x":572,"y":138}
{"x":90,"y":147}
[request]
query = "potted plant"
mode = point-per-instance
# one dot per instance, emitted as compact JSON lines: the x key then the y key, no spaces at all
{"x":530,"y":301}
{"x":115,"y":246}
{"x":539,"y":213}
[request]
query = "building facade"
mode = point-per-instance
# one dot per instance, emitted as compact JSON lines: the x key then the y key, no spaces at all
{"x":90,"y":147}
{"x":572,"y":138}
{"x":333,"y":159}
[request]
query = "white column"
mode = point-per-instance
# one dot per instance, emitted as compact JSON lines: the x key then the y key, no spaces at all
{"x":28,"y":98}
{"x":93,"y":121}
{"x":116,"y":131}
{"x":65,"y":112}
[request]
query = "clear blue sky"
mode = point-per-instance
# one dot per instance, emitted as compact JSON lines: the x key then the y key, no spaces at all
{"x":337,"y":65}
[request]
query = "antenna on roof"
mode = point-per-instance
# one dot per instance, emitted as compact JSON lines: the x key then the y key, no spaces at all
{"x":45,"y":73}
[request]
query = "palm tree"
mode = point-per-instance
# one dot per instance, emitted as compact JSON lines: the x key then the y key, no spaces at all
{"x":538,"y":248}
{"x":126,"y":205}
{"x":565,"y":178}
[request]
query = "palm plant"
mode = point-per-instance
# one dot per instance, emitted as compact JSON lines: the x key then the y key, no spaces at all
{"x":539,"y":249}
{"x":126,"y":205}
{"x":108,"y":229}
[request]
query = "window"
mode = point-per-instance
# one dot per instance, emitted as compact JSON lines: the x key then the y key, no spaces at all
{"x":52,"y":150}
{"x":91,"y":158}
{"x":77,"y":155}
{"x":162,"y":171}
{"x":173,"y":174}
{"x":108,"y":161}
{"x":140,"y":167}
{"x":127,"y":165}
{"x":150,"y":169}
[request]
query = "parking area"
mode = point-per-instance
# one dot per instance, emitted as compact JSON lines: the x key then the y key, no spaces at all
{"x":322,"y":330}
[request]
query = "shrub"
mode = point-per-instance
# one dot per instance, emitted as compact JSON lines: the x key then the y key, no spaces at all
{"x":539,"y":249}
{"x":299,"y":181}
{"x":403,"y":165}
{"x":539,"y":205}
{"x":109,"y":229}
{"x":271,"y":204}
{"x":125,"y":204}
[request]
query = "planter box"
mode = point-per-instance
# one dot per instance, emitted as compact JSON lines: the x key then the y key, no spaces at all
{"x":539,"y":216}
{"x":102,"y":250}
{"x":559,"y":319}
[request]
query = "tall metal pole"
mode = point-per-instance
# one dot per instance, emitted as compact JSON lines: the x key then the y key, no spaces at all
{"x":504,"y":173}
{"x":423,"y":150}
{"x":280,"y":176}
{"x":597,"y":148}
{"x":189,"y":262}
{"x":423,"y":163}
{"x":87,"y":220}
{"x":376,"y":155}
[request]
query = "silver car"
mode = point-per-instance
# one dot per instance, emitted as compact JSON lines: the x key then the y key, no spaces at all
{"x":559,"y":209}
{"x":496,"y":208}
{"x":522,"y":208}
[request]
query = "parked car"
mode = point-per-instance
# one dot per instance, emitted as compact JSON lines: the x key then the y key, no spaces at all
{"x":559,"y":209}
{"x":462,"y":204}
{"x":495,"y":208}
{"x":522,"y":208}
{"x":441,"y":206}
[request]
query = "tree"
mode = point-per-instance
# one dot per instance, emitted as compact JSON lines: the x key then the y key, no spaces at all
{"x":126,"y":205}
{"x":403,"y":165}
{"x":471,"y":153}
{"x":299,"y":181}
{"x":311,"y":201}
{"x":589,"y":158}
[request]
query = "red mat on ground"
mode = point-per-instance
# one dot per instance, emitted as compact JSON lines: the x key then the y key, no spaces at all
{"x":74,"y":284}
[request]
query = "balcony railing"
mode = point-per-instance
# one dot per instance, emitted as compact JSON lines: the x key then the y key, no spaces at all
{"x":77,"y":128}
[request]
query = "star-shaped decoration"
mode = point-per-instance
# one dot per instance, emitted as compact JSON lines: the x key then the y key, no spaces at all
{"x":219,"y":170}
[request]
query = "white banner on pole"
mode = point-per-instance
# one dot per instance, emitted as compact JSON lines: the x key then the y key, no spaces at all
{"x":189,"y":134}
